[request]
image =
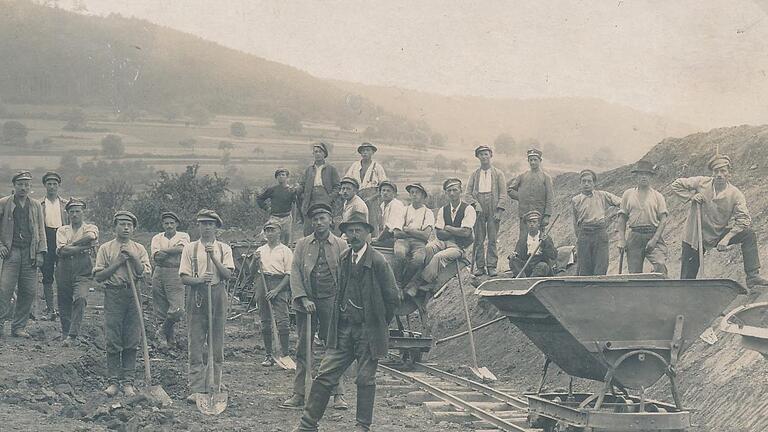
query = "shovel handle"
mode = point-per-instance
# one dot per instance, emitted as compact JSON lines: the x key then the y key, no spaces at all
{"x":308,"y":347}
{"x":621,"y":261}
{"x":538,"y":246}
{"x":701,"y":238}
{"x":144,"y":345}
{"x":466,"y":314}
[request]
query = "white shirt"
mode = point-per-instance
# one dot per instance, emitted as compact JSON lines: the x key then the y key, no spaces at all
{"x":53,"y":213}
{"x":66,"y":235}
{"x":484,"y":181}
{"x":276,"y":261}
{"x":393,"y":214}
{"x":221,"y":250}
{"x":470,"y":216}
{"x":533,"y":243}
{"x":359,"y":254}
{"x":374,"y":175}
{"x":419,"y":218}
{"x":319,"y":175}
{"x":161,"y":242}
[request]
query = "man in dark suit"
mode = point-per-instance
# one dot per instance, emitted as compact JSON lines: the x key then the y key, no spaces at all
{"x":545,"y":253}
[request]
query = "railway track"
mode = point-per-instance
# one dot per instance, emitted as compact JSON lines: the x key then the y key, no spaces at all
{"x":448,"y":397}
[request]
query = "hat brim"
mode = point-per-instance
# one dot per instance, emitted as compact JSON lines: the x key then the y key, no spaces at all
{"x":370,"y":146}
{"x":635,"y":171}
{"x":357,"y":186}
{"x":344,"y":225}
{"x":210,"y":219}
{"x":409,"y":187}
{"x":477,"y":152}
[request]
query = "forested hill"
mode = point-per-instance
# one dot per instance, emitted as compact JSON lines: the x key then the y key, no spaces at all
{"x":51,"y":56}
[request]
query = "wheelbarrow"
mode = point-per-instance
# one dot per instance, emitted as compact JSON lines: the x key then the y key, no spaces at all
{"x":626,"y":331}
{"x":750,"y":322}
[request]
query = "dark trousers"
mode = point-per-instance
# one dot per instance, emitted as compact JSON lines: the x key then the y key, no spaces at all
{"x":18,"y":273}
{"x":48,"y":269}
{"x":352,"y":344}
{"x":73,"y":280}
{"x":168,"y":298}
{"x":277,"y":306}
{"x":198,"y":338}
{"x":320,"y":323}
{"x":536,"y":268}
{"x":486,"y":226}
{"x":689,"y":268}
{"x":592,"y":252}
{"x":637,"y":252}
{"x":122,"y":333}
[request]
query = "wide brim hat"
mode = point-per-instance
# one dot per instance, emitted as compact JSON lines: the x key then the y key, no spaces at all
{"x":367,"y":145}
{"x":719,"y":161}
{"x":319,"y":208}
{"x":531,"y":215}
{"x":206,"y":215}
{"x":483,"y":148}
{"x":74,"y":202}
{"x":21,"y":175}
{"x":387,"y":183}
{"x":350,"y":180}
{"x":51,"y":175}
{"x":356,"y":218}
{"x":322,"y":146}
{"x":644,"y":166}
{"x":417,"y":186}
{"x":125,"y":215}
{"x":170,"y":214}
{"x":451,"y":182}
{"x":535,"y":153}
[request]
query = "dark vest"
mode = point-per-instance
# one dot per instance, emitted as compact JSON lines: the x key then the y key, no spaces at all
{"x":463,"y":242}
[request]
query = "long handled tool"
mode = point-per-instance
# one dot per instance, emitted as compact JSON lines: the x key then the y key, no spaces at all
{"x":214,"y":401}
{"x":621,"y":261}
{"x":538,"y":246}
{"x":156,"y":393}
{"x":481,"y":372}
{"x":284,"y":361}
{"x":701,"y":238}
{"x":308,"y":347}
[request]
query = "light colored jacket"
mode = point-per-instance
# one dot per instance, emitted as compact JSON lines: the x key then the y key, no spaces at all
{"x":64,"y":214}
{"x":36,"y":223}
{"x":498,"y":189}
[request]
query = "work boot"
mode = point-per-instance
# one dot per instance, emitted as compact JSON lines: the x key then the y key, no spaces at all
{"x":112,"y":390}
{"x":492,"y":272}
{"x":295,"y":402}
{"x":366,"y":396}
{"x":339,"y":403}
{"x":754,"y":280}
{"x":129,"y":390}
{"x":71,"y":341}
{"x":361,"y":428}
{"x":162,"y":342}
{"x":479,"y":271}
{"x":21,"y":333}
{"x":268,"y":361}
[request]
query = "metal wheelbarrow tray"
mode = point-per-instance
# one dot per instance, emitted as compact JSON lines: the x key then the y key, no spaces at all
{"x":750,"y":322}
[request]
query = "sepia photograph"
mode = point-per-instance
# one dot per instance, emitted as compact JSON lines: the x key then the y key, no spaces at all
{"x":340,"y":215}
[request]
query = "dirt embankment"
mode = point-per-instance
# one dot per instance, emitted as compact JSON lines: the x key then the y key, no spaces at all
{"x":723,"y":383}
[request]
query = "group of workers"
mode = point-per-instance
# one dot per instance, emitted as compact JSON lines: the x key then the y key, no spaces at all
{"x":334,"y":278}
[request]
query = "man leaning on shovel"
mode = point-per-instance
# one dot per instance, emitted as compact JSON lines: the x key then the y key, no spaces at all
{"x":205,"y":264}
{"x":724,"y":219}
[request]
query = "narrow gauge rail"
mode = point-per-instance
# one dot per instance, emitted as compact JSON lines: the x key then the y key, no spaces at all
{"x":485,"y":407}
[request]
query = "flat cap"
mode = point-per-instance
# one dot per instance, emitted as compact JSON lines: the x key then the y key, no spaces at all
{"x":322,"y":146}
{"x":719,"y":161}
{"x":644,"y":166}
{"x":125,"y":215}
{"x":387,"y":183}
{"x":417,"y":186}
{"x":271,"y":223}
{"x":207,"y":215}
{"x":590,"y":172}
{"x":534,"y":153}
{"x":170,"y":214}
{"x":51,"y":175}
{"x":356,"y":218}
{"x":453,"y":181}
{"x":351,"y":181}
{"x":21,"y":175}
{"x":532,"y":215}
{"x":74,"y":202}
{"x":367,"y":145}
{"x":319,"y":208}
{"x":483,"y":148}
{"x":281,"y":170}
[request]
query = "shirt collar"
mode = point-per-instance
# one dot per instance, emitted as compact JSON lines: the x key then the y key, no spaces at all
{"x":360,"y":253}
{"x":317,"y":240}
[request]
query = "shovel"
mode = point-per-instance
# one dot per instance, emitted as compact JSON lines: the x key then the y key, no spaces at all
{"x":153,"y":393}
{"x":212,"y":402}
{"x":621,"y":261}
{"x":481,"y":372}
{"x":308,"y":347}
{"x":284,"y":362}
{"x":701,"y":238}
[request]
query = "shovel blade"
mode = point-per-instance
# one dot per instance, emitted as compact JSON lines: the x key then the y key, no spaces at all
{"x":483,"y":374}
{"x":285,"y":363}
{"x":157,"y":395}
{"x":212,"y":403}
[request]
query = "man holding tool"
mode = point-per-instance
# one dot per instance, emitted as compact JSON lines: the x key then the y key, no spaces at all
{"x":167,"y":289}
{"x":535,"y":249}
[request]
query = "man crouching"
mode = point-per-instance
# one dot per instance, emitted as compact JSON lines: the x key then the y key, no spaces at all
{"x":359,"y":327}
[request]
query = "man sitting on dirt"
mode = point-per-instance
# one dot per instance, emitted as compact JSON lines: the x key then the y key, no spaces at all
{"x":351,"y":202}
{"x":453,"y":228}
{"x":534,"y":242}
{"x":369,"y":175}
{"x":167,"y":289}
{"x":359,"y":331}
{"x":644,"y":209}
{"x":486,"y":187}
{"x":533,"y":190}
{"x":590,"y":223}
{"x":278,"y":201}
{"x":76,"y":246}
{"x":206,"y":264}
{"x":411,"y":241}
{"x":275,"y":261}
{"x":319,"y":184}
{"x":314,"y":283}
{"x":392,"y":214}
{"x":725,"y":220}
{"x":122,"y":331}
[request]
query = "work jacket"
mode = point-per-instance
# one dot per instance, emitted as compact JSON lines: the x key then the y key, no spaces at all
{"x":498,"y":189}
{"x":36,"y":223}
{"x":64,"y":214}
{"x":379,"y":293}
{"x":548,"y":252}
{"x":330,"y":182}
{"x":304,"y":259}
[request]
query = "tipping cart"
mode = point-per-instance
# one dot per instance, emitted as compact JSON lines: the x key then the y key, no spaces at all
{"x":625,"y":331}
{"x":750,"y":322}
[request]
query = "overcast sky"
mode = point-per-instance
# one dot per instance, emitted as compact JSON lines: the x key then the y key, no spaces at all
{"x":701,"y":61}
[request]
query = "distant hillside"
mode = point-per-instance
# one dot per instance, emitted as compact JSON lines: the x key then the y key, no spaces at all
{"x":51,"y":56}
{"x":580,"y":125}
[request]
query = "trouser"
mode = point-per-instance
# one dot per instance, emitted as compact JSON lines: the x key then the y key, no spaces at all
{"x":277,"y":306}
{"x":592,"y":251}
{"x":536,"y":268}
{"x":410,"y":255}
{"x":524,"y":228}
{"x":486,"y":225}
{"x":320,"y":323}
{"x":48,"y":269}
{"x":748,"y":240}
{"x":73,"y":279}
{"x":352,"y":344}
{"x":122,"y":333}
{"x":318,"y":195}
{"x":286,"y":227}
{"x":439,"y":254}
{"x":637,"y":253}
{"x":168,"y":298}
{"x":198,"y":337}
{"x":373,"y":201}
{"x":18,"y":271}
